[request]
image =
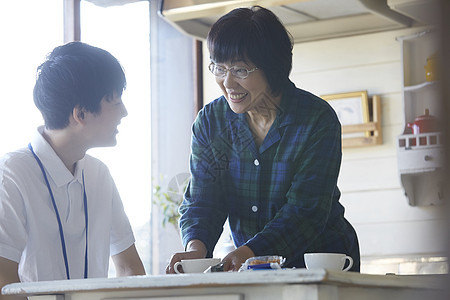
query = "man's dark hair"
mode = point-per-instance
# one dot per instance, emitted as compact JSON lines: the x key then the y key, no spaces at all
{"x":75,"y":75}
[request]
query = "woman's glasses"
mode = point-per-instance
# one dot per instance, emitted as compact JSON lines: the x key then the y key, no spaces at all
{"x":221,"y":71}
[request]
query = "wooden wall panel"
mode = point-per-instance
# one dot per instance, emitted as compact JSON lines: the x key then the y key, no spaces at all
{"x":385,"y":206}
{"x":421,"y":238}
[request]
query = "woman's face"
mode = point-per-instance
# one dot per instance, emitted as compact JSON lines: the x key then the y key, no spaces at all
{"x":243,"y":95}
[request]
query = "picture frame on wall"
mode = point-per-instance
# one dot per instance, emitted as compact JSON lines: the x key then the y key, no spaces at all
{"x":351,"y":109}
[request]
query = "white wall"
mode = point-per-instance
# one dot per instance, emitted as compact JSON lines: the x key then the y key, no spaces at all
{"x":387,"y":227}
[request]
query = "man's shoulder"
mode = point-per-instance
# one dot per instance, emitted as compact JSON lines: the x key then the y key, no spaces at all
{"x":92,"y":159}
{"x":94,"y":165}
{"x":16,"y":161}
{"x":94,"y":162}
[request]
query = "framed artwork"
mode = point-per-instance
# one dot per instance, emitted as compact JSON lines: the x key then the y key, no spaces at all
{"x":351,"y":109}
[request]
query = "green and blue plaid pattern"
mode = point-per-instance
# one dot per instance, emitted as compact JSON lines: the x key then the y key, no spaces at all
{"x":280,"y":198}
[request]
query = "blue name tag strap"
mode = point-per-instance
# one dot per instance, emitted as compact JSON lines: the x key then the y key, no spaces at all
{"x":61,"y":231}
{"x":86,"y":226}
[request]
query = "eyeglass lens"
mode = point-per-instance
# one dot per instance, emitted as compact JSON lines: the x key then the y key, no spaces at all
{"x":239,"y":72}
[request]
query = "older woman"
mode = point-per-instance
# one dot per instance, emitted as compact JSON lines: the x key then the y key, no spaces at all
{"x":266,"y":155}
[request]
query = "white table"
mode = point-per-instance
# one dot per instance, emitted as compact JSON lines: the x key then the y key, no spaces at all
{"x":252,"y":285}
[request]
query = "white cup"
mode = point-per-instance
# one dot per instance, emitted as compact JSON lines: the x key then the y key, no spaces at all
{"x":196,"y":265}
{"x":329,"y":261}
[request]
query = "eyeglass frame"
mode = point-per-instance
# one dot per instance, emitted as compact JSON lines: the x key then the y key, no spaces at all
{"x":230,"y":70}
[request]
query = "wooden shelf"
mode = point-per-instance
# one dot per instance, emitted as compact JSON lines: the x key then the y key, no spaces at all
{"x":423,"y":85}
{"x":370,"y":132}
{"x":420,"y":157}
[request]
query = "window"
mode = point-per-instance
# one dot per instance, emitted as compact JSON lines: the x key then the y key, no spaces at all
{"x":124,"y":32}
{"x":27,"y":36}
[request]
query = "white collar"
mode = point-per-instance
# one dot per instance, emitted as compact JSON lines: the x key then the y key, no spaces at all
{"x":52,"y":163}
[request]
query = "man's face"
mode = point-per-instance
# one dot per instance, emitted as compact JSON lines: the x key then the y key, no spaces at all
{"x":101,"y":128}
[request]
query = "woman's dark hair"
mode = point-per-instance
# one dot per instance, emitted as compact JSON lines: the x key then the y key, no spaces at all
{"x":75,"y":75}
{"x":254,"y":34}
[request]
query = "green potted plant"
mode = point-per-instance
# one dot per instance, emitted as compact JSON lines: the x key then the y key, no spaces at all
{"x":169,"y":199}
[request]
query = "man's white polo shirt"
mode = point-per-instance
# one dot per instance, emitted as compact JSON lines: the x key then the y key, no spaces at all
{"x":29,"y":231}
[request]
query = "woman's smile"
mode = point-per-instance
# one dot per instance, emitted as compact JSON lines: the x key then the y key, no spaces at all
{"x":237,"y":97}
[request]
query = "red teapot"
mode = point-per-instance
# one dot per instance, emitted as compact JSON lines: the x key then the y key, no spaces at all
{"x":425,"y":123}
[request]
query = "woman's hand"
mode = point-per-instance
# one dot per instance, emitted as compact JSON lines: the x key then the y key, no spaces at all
{"x":234,"y":260}
{"x":194,"y":250}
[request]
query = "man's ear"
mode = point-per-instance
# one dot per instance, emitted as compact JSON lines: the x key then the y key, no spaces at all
{"x":79,"y":114}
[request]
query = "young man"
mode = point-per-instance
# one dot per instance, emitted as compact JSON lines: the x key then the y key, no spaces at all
{"x":61,"y":216}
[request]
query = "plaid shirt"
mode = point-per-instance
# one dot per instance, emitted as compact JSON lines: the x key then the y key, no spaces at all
{"x":281,"y":198}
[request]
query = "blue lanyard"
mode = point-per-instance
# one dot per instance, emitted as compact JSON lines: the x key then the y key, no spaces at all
{"x":61,"y":232}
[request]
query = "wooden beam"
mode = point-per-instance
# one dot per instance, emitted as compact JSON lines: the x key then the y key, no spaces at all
{"x":198,"y":76}
{"x":72,"y":27}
